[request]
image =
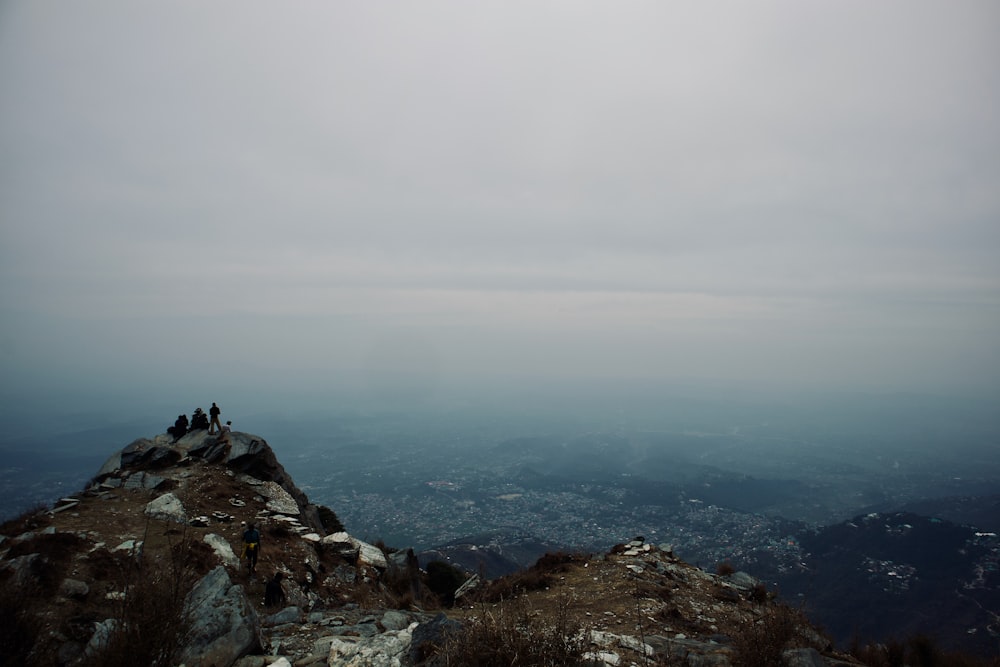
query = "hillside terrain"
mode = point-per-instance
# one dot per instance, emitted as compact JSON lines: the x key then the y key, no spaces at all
{"x":143,"y":567}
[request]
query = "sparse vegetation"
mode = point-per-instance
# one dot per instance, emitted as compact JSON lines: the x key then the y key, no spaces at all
{"x":327,"y":517}
{"x":760,"y":642}
{"x":151,"y":621}
{"x":725,"y":569}
{"x":21,"y":623}
{"x":443,"y":580}
{"x":536,"y":577}
{"x":33,"y":518}
{"x":508,"y":634}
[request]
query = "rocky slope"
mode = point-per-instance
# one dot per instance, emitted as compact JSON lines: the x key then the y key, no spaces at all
{"x":145,"y":560}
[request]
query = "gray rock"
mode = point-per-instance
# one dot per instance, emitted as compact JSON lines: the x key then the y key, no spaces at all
{"x":432,"y":633}
{"x":134,"y":452}
{"x":225,"y":626}
{"x":468,"y":586}
{"x":167,"y":507}
{"x":395,"y":620}
{"x":803,"y":657}
{"x":223,"y":550}
{"x":21,"y":567}
{"x":385,"y":650}
{"x":74,"y":588}
{"x":279,"y":501}
{"x":742,"y":580}
{"x":286,"y":615}
{"x":102,"y":635}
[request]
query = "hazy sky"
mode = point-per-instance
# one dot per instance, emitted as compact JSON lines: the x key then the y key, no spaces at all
{"x":206,"y":195}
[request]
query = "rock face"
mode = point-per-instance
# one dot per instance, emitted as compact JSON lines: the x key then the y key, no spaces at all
{"x":248,"y":454}
{"x":225,"y":625}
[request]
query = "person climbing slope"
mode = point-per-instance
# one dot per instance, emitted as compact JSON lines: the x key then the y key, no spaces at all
{"x":251,"y":547}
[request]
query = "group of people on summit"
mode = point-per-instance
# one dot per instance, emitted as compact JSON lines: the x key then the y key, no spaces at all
{"x":201,"y":422}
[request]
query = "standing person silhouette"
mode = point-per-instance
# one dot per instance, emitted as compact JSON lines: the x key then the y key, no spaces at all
{"x":214,"y":412}
{"x":251,"y":547}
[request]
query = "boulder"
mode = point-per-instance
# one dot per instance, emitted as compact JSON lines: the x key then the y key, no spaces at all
{"x":286,"y":615}
{"x":426,"y":636}
{"x":340,"y":544}
{"x":74,"y":588}
{"x":395,"y":620}
{"x":371,"y":555}
{"x":388,"y":649}
{"x":279,"y":501}
{"x":223,"y":550}
{"x":101,"y":637}
{"x":167,"y":507}
{"x":224,"y":627}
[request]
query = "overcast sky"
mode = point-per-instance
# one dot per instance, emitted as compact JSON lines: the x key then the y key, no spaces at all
{"x":205,"y":194}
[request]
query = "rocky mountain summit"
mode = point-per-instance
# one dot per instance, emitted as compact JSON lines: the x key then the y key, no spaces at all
{"x":144,"y":566}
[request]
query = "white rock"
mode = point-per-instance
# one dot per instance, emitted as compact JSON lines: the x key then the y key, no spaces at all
{"x":223,"y":550}
{"x":167,"y":507}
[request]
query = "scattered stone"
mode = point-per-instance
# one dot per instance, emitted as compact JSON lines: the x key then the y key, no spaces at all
{"x":131,"y":546}
{"x":66,"y":506}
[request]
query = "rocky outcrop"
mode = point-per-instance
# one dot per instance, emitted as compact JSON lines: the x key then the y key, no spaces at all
{"x":225,"y":625}
{"x":245,"y":453}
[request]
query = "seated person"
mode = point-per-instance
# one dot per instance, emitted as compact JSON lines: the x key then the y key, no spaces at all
{"x":180,"y":427}
{"x":199,"y":420}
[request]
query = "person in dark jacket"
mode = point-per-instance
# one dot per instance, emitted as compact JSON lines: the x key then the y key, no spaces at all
{"x":179,"y":428}
{"x":251,"y":547}
{"x":214,"y":413}
{"x":274,"y":594}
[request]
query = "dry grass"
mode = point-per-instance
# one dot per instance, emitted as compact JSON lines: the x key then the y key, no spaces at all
{"x":761,"y":642}
{"x":151,"y":621}
{"x":510,"y":634}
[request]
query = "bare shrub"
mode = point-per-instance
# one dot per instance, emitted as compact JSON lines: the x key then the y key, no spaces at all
{"x":725,"y":569}
{"x":21,"y":624}
{"x":151,"y":619}
{"x":327,"y":517}
{"x":760,"y":642}
{"x":535,"y":578}
{"x":507,"y":634}
{"x":759,"y":594}
{"x":32,"y":518}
